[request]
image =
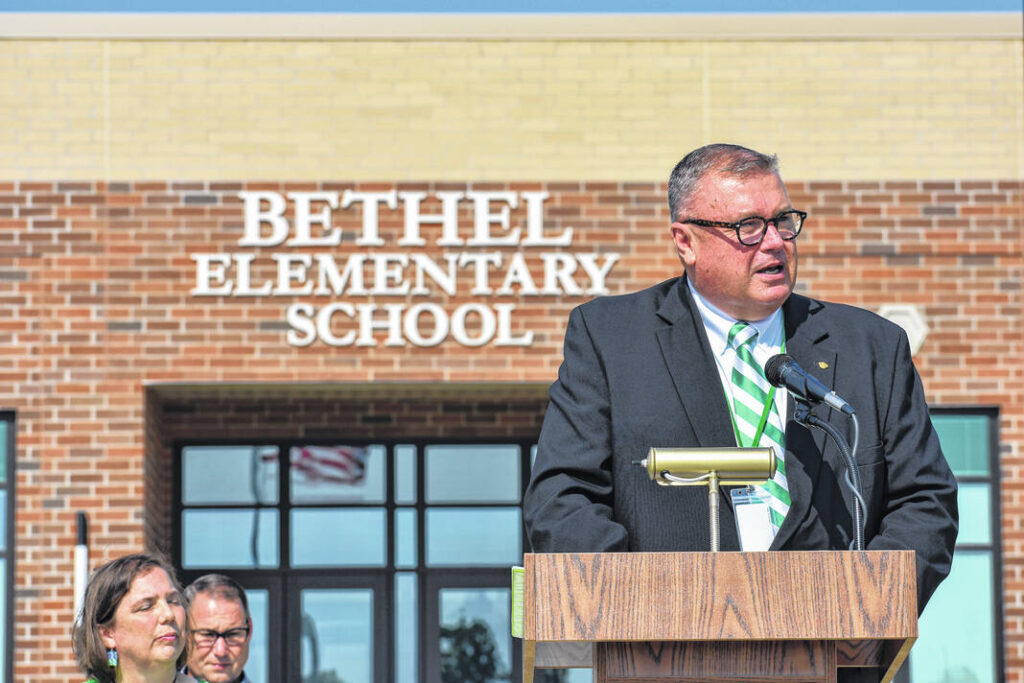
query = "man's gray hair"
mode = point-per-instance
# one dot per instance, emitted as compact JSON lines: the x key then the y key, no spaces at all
{"x":727,"y":160}
{"x":219,"y":586}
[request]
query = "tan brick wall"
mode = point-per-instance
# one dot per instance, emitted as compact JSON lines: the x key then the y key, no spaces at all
{"x":506,"y":109}
{"x":109,"y":359}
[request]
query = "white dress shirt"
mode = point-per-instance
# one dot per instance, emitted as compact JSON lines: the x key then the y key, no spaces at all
{"x":770,"y":335}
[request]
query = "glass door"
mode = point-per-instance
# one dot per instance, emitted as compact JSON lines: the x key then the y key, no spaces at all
{"x":468,"y":637}
{"x":343,"y":630}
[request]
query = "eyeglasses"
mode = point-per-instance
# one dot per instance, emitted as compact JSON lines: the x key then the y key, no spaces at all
{"x":750,"y":231}
{"x":204,"y":637}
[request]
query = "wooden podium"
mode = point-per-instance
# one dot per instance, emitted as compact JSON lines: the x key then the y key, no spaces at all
{"x":768,"y":616}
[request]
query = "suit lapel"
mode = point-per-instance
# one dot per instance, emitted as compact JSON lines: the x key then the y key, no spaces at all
{"x":807,"y":343}
{"x":687,"y":355}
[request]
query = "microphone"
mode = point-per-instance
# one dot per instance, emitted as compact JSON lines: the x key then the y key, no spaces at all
{"x":784,"y":372}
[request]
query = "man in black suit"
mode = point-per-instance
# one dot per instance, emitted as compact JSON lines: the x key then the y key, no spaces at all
{"x":652,"y":368}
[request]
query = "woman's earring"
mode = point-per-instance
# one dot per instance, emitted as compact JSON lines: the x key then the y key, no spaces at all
{"x":112,"y":658}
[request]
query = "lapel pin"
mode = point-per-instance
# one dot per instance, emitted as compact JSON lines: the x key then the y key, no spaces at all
{"x":823,"y":365}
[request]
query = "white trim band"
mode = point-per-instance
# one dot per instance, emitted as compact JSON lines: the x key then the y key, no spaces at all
{"x":807,"y":27}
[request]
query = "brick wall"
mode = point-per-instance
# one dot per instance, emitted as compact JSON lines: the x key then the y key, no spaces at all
{"x":893,"y":107}
{"x":109,"y":359}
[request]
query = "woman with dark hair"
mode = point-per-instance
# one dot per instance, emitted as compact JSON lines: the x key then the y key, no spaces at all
{"x":133,"y":623}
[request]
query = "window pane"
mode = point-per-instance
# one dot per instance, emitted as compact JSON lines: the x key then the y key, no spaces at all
{"x":957,"y":640}
{"x":3,"y":613}
{"x":229,"y":538}
{"x":225,"y":475}
{"x":259,"y":609}
{"x":473,"y":536}
{"x":975,"y":513}
{"x":337,"y":636}
{"x":5,"y":425}
{"x":475,"y":643}
{"x":473,"y":473}
{"x":965,"y":442}
{"x":405,"y":538}
{"x":406,"y":662}
{"x":337,"y":474}
{"x":405,"y":475}
{"x":349,"y":537}
{"x":3,"y":525}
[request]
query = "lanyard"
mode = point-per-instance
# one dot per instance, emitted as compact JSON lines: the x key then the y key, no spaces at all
{"x":764,"y":413}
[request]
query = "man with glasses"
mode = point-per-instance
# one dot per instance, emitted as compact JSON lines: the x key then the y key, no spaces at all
{"x":680,"y":365}
{"x":220,"y":627}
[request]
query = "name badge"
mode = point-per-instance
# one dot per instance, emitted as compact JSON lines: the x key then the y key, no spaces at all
{"x":753,"y":520}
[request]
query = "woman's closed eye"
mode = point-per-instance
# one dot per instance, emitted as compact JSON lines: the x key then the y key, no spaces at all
{"x":144,"y":605}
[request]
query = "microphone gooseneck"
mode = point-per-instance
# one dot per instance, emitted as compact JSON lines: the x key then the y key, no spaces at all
{"x":784,"y":372}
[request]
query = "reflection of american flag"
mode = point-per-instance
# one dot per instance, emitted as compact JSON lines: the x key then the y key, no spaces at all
{"x":339,"y":464}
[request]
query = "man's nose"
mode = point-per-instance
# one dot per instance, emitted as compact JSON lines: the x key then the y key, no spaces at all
{"x":772,"y":239}
{"x":220,"y":647}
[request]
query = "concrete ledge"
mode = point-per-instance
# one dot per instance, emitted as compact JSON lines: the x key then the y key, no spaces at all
{"x":423,"y":390}
{"x":358,"y":26}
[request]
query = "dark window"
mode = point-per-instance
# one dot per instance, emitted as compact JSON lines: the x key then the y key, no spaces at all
{"x":363,"y":561}
{"x":960,"y":633}
{"x":7,"y":432}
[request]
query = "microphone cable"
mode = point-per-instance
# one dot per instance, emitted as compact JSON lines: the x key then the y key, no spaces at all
{"x":852,"y":476}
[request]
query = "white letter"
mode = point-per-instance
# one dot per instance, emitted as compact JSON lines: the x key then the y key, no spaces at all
{"x":384,"y":274}
{"x":254,"y":218}
{"x":323,"y":324}
{"x":411,"y":325}
{"x":446,"y":281}
{"x":482,"y":219}
{"x":597,"y":275}
{"x":328,"y":270}
{"x":304,"y":219}
{"x":243,"y":263}
{"x":487,"y":324}
{"x":370,"y":200}
{"x":519,"y":274}
{"x":480,"y":262}
{"x":505,"y":337}
{"x":367,"y":324}
{"x":558,"y":269}
{"x":535,"y":224}
{"x":292,"y":267}
{"x":298,"y":316}
{"x":448,"y":219}
{"x":211,"y":267}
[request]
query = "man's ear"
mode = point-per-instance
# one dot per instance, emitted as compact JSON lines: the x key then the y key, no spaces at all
{"x":682,"y":237}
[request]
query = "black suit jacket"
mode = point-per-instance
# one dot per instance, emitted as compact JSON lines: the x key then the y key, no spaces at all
{"x":638,"y":372}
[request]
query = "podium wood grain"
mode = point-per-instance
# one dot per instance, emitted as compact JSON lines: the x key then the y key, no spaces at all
{"x":862,"y":605}
{"x":746,"y":662}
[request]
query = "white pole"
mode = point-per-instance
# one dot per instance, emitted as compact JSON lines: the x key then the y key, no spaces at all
{"x":81,"y":563}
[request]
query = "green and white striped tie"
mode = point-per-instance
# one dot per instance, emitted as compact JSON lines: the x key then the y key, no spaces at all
{"x":750,"y":394}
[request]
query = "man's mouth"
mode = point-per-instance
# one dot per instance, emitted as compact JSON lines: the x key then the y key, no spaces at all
{"x":771,"y":270}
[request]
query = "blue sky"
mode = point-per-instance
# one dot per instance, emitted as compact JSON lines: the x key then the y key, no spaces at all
{"x":440,"y":6}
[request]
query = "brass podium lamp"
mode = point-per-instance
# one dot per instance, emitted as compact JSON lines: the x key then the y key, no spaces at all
{"x":711,"y":467}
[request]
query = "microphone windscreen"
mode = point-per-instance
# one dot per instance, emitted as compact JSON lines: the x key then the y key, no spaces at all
{"x":774,"y":367}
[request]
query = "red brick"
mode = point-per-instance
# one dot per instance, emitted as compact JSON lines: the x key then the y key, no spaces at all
{"x":98,"y":419}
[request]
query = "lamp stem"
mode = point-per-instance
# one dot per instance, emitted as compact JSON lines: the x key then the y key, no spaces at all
{"x":713,"y":496}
